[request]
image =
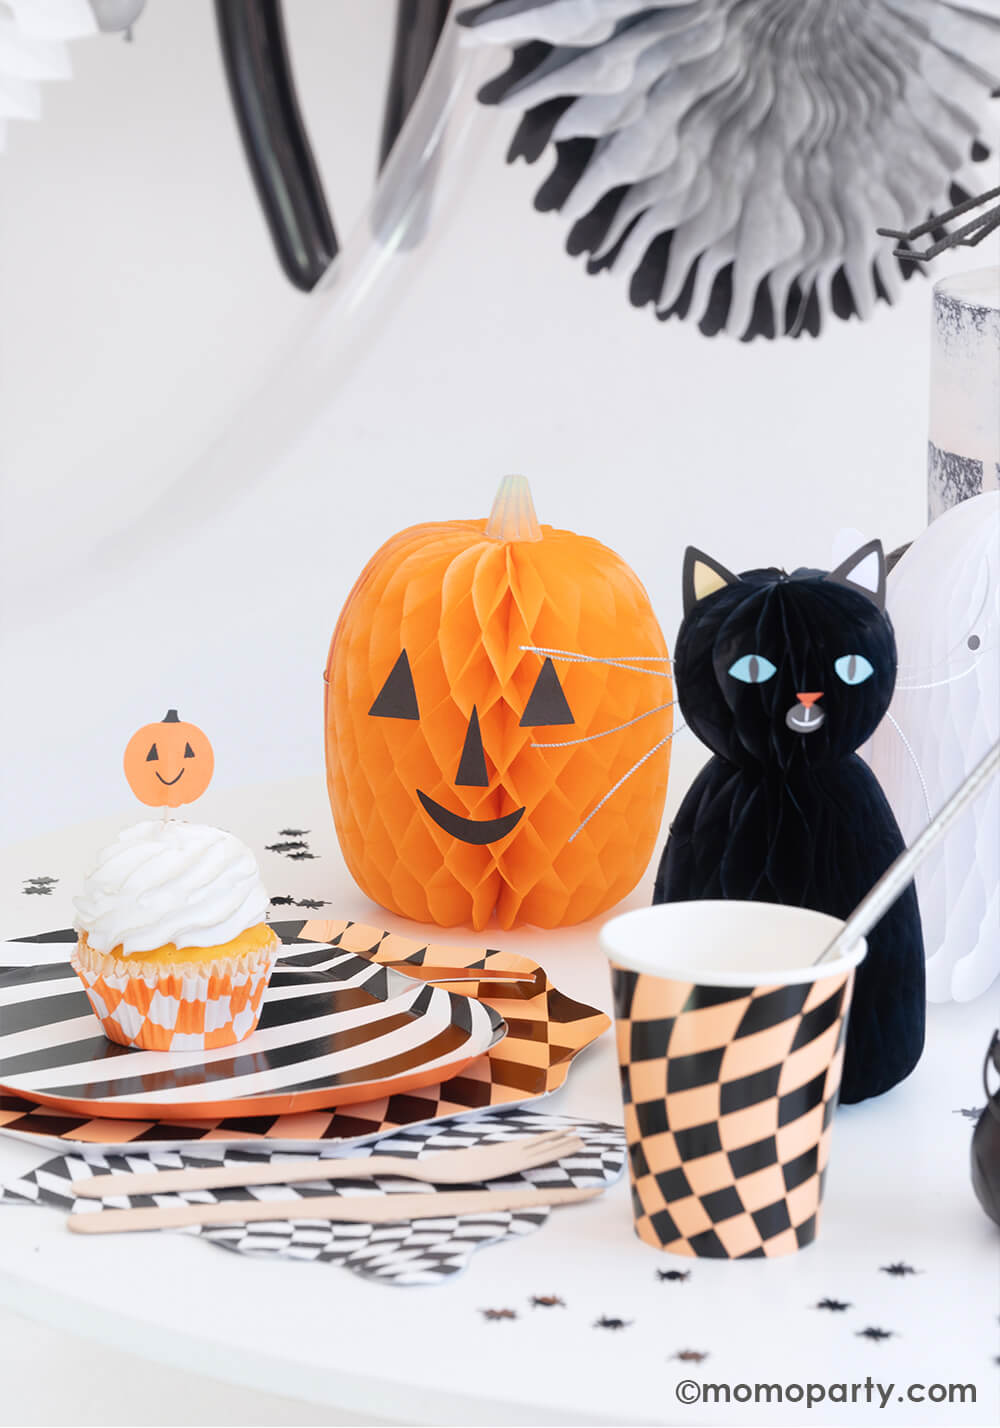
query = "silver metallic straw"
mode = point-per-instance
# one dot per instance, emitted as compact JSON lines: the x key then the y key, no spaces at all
{"x":901,"y":872}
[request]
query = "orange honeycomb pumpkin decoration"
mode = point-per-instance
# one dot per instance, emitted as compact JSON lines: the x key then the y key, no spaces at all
{"x":498,"y":716}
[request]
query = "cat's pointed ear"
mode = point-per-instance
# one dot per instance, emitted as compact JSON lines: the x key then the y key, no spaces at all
{"x":702,"y":576}
{"x":864,"y":571}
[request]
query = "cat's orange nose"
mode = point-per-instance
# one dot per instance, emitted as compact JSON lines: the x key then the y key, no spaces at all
{"x":809,"y":699}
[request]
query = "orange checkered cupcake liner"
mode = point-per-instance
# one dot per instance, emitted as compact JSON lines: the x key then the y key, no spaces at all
{"x":180,"y":1007}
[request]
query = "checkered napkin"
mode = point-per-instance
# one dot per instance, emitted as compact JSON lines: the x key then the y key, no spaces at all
{"x":417,"y":1252}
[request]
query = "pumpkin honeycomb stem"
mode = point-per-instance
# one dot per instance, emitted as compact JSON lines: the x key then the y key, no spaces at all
{"x":513,"y":514}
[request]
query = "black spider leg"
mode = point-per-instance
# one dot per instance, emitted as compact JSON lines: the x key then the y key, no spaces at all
{"x":981,"y":226}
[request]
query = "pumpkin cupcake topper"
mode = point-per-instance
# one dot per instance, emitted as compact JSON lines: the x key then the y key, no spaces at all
{"x":168,"y":763}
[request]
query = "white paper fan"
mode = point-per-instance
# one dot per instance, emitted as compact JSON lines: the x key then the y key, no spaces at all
{"x":737,"y":156}
{"x":944,"y":600}
{"x":34,"y":49}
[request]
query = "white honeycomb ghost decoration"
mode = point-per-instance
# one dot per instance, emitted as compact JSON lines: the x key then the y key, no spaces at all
{"x":944,"y":600}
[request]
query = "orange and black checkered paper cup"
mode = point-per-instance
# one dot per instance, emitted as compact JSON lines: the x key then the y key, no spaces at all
{"x":730,"y":1044}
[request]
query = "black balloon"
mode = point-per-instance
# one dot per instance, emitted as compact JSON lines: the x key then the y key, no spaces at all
{"x":418,"y":28}
{"x":255,"y":55}
{"x":985,"y":1153}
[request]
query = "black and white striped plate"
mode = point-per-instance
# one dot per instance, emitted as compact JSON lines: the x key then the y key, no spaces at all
{"x":335,"y":1029}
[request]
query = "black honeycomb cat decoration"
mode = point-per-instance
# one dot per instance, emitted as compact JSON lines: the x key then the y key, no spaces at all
{"x":784,"y":676}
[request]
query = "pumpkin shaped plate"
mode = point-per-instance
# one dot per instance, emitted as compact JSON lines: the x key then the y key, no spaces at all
{"x":334,"y":1029}
{"x":545,"y":1031}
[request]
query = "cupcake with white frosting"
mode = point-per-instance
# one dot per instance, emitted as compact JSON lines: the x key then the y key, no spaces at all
{"x":173,"y":949}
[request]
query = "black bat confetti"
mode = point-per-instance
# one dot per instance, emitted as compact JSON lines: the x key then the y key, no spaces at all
{"x":837,"y":1305}
{"x":39,"y":887}
{"x":673,"y":1275}
{"x":605,"y":1323}
{"x":899,"y":1270}
{"x":875,"y":1334}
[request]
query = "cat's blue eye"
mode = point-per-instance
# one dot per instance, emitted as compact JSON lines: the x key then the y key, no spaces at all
{"x":752,"y":669}
{"x":853,"y":669}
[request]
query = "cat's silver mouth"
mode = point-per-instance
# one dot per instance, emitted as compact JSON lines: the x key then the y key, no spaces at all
{"x":805,"y":719}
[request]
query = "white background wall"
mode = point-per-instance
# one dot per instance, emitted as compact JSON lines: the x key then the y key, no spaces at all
{"x":140,"y":300}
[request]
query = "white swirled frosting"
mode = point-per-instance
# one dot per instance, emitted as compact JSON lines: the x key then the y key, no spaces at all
{"x":170,"y":881}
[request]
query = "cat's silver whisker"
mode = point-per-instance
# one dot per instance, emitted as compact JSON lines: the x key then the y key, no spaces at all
{"x":578,"y":654}
{"x":916,"y":765}
{"x":603,"y":733}
{"x":625,"y":776}
{"x":939,"y":683}
{"x":620,"y":663}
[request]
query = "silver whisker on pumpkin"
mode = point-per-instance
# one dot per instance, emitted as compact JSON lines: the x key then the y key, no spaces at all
{"x":615,"y":661}
{"x":625,"y":776}
{"x":603,"y":733}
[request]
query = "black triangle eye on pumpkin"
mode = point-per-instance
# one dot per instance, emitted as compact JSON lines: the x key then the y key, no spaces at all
{"x":547,"y":704}
{"x":152,"y":756}
{"x":397,"y":699}
{"x":188,"y":751}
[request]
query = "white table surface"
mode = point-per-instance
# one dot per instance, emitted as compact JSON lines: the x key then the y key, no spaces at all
{"x":898,"y":1190}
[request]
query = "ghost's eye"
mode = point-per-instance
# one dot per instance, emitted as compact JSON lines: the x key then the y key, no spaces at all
{"x":547,"y":704}
{"x":752,"y":669}
{"x":397,"y":699}
{"x":853,"y":669}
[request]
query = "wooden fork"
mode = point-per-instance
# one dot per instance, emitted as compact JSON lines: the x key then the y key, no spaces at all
{"x":358,"y":1209}
{"x":473,"y":1165}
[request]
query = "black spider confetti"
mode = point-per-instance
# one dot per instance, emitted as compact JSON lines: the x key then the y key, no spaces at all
{"x":298,"y":856}
{"x":605,"y":1323}
{"x":284,"y":847}
{"x":312,"y":902}
{"x":899,"y":1270}
{"x":876,"y":1334}
{"x":547,"y":1301}
{"x":690,"y":1356}
{"x":673,"y":1275}
{"x":837,"y":1305}
{"x":490,"y":1315}
{"x":292,"y":832}
{"x":39,"y":887}
{"x":971,"y":1113}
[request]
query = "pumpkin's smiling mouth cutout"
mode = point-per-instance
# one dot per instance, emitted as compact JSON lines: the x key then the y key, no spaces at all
{"x":168,"y":781}
{"x":470,"y":830}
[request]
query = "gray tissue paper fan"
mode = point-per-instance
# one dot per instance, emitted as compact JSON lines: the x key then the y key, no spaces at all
{"x":735,"y":157}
